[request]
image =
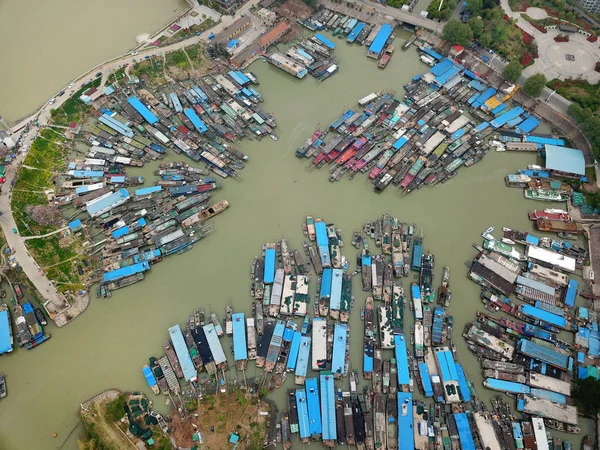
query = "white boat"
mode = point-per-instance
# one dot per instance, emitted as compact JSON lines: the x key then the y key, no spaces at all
{"x":487,"y":234}
{"x":508,"y":241}
{"x":534,"y":167}
{"x":274,"y":137}
{"x":555,"y":211}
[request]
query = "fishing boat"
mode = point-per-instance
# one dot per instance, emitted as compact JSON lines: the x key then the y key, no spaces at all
{"x":305,"y":325}
{"x":387,"y":55}
{"x":215,"y":321}
{"x":392,"y":422}
{"x":228,"y":321}
{"x":444,"y":292}
{"x":569,"y":236}
{"x":2,"y":386}
{"x":550,"y":214}
{"x":159,"y":375}
{"x":274,"y":136}
{"x":386,"y":376}
{"x":285,"y":431}
{"x":5,"y":316}
{"x":426,"y":279}
{"x":546,"y":195}
{"x":150,"y":379}
{"x":504,"y":249}
{"x":379,"y":413}
{"x":173,"y":361}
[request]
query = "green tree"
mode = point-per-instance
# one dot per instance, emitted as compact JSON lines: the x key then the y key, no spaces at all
{"x":485,"y":39}
{"x":441,"y":9}
{"x":456,"y":32}
{"x":589,"y":124}
{"x":116,"y":409}
{"x":587,"y":393}
{"x":513,"y":71}
{"x":475,"y":6}
{"x":395,"y":3}
{"x":535,"y":85}
{"x":476,"y":26}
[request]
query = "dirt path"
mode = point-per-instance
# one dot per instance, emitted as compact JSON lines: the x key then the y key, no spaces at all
{"x":189,"y":59}
{"x":110,"y":434}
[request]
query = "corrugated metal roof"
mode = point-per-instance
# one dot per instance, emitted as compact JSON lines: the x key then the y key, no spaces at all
{"x":536,"y":285}
{"x":240,"y":348}
{"x":328,"y":406}
{"x":507,"y":386}
{"x":321,"y":233}
{"x":401,"y":359}
{"x":545,"y":316}
{"x":564,"y":159}
{"x":303,"y":419}
{"x":336,"y":289}
{"x":143,"y":110}
{"x":303,"y":356}
{"x":406,"y":434}
{"x":5,"y":336}
{"x":462,"y":383}
{"x":464,"y":431}
{"x":123,"y":272}
{"x":213,"y":342}
{"x":326,"y":283}
{"x":198,"y":124}
{"x":338,"y":359}
{"x":381,"y":38}
{"x":294,"y":349}
{"x":183,"y":355}
{"x":314,"y":407}
{"x":543,"y":354}
{"x":106,"y":203}
{"x":425,"y":379}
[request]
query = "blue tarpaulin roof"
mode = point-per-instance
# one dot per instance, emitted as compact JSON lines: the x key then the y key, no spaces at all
{"x":543,"y":353}
{"x":294,"y":349}
{"x":507,"y":116}
{"x":198,"y":124}
{"x":270,"y":257}
{"x":401,"y":359}
{"x":564,"y":159}
{"x":462,"y":384}
{"x":368,"y":358}
{"x":123,"y":272}
{"x":464,"y":431}
{"x":240,"y":349}
{"x":303,"y":356}
{"x":379,"y":42}
{"x":148,"y":190}
{"x":183,"y":354}
{"x":425,"y":380}
{"x":406,"y":432}
{"x":232,"y":43}
{"x":143,"y":110}
{"x":147,"y":371}
{"x":338,"y":358}
{"x":326,"y":42}
{"x":314,"y":407}
{"x":400,"y":142}
{"x":528,"y":125}
{"x":75,"y":225}
{"x":5,"y":333}
{"x":545,"y":316}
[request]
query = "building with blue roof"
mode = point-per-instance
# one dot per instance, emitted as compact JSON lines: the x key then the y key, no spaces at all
{"x":314,"y":407}
{"x":6,"y":339}
{"x":142,"y":110}
{"x":378,"y":44}
{"x":123,"y":272}
{"x":294,"y":349}
{"x":441,"y":67}
{"x":465,"y":393}
{"x":328,"y":422}
{"x":183,"y":354}
{"x":75,"y":225}
{"x":303,"y":417}
{"x":303,"y":357}
{"x":528,"y":125}
{"x":338,"y":357}
{"x":498,"y":109}
{"x":406,"y":434}
{"x":335,"y":298}
{"x":401,"y":359}
{"x":425,"y":379}
{"x":198,"y":124}
{"x":544,"y":316}
{"x":323,"y":40}
{"x":270,"y":259}
{"x":147,"y":190}
{"x":564,"y":160}
{"x":240,"y":348}
{"x":106,"y":203}
{"x":235,"y":77}
{"x":483,"y":97}
{"x":464,"y":431}
{"x":544,"y":354}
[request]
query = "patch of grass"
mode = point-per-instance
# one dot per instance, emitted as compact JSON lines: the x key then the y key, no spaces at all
{"x":578,"y":91}
{"x":59,"y":263}
{"x":152,"y":69}
{"x":178,"y":58}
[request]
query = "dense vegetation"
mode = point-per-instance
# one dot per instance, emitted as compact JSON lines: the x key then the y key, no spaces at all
{"x":581,"y":92}
{"x":589,"y":124}
{"x":513,"y":71}
{"x":535,"y":85}
{"x":115,"y":409}
{"x":444,"y":12}
{"x":458,"y":33}
{"x":587,"y":394}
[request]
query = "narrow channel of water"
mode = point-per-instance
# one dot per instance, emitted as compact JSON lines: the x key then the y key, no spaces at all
{"x":108,"y":345}
{"x":47,"y":44}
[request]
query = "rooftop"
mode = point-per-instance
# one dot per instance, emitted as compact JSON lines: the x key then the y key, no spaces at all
{"x":564,"y":159}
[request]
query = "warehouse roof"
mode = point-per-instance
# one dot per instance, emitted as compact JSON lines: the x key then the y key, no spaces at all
{"x":564,"y":159}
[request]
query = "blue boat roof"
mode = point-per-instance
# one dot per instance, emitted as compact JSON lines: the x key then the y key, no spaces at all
{"x":242,"y":77}
{"x":75,"y":224}
{"x":149,"y":376}
{"x":314,"y":406}
{"x":483,"y":97}
{"x":366,"y":260}
{"x":533,"y":284}
{"x":240,"y":349}
{"x":235,"y":77}
{"x":564,"y":159}
{"x":143,"y":110}
{"x":544,"y":140}
{"x":471,"y":75}
{"x":356,"y":31}
{"x":482,"y":126}
{"x":529,"y":125}
{"x":571,"y":293}
{"x":328,"y":421}
{"x":321,"y":233}
{"x":441,"y":67}
{"x":531,"y":239}
{"x":176,"y":102}
{"x":338,"y":358}
{"x":507,"y":116}
{"x":425,"y":379}
{"x":543,"y":354}
{"x":400,"y":142}
{"x":200,"y":93}
{"x":476,"y":84}
{"x":368,"y":358}
{"x":417,"y":256}
{"x":123,"y":272}
{"x":183,"y":354}
{"x":303,"y":356}
{"x":247,"y":92}
{"x":464,"y":431}
{"x":326,"y":42}
{"x":288,"y":335}
{"x":216,"y":349}
{"x":507,"y":386}
{"x":198,"y":124}
{"x":86,"y":173}
{"x":545,"y":316}
{"x":447,"y":75}
{"x":113,"y":123}
{"x":432,"y":53}
{"x":326,"y":280}
{"x":517,"y":433}
{"x":120,"y":232}
{"x":294,"y":349}
{"x":462,"y":383}
{"x":270,"y":257}
{"x":501,"y":107}
{"x":106,"y":203}
{"x":405,"y":422}
{"x":415,"y":291}
{"x":148,"y":190}
{"x":336,"y":289}
{"x":401,"y":359}
{"x":555,"y":397}
{"x":324,"y":254}
{"x":457,"y":134}
{"x":303,"y":419}
{"x":5,"y":333}
{"x":379,"y":42}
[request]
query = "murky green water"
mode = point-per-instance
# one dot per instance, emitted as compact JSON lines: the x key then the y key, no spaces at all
{"x":47,"y":44}
{"x":107,"y":346}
